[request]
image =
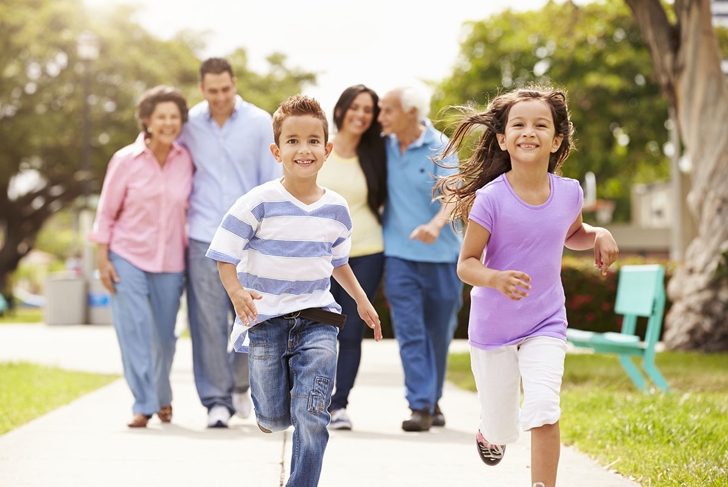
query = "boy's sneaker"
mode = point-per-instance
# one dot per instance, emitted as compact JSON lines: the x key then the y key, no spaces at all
{"x":490,"y":454}
{"x":218,"y":417}
{"x":339,"y":420}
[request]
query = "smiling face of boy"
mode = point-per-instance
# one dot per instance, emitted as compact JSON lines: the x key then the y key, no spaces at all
{"x":302,"y":147}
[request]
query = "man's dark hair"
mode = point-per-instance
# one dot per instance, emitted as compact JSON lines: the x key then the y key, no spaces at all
{"x":215,"y":65}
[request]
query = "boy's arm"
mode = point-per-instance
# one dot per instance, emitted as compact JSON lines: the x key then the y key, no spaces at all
{"x":243,"y":299}
{"x":346,"y":278}
{"x":582,"y":236}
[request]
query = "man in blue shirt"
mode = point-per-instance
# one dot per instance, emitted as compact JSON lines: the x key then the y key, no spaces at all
{"x":229,"y":140}
{"x":421,"y":251}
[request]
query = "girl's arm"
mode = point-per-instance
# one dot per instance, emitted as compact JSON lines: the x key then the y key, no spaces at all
{"x":345,"y":276}
{"x":514,"y":284}
{"x":582,"y":236}
{"x":243,"y":299}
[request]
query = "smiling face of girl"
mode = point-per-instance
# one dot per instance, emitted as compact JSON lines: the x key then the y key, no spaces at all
{"x":530,"y":135}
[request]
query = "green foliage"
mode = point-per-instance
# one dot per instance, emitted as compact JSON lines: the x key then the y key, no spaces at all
{"x":596,"y":53}
{"x":268,"y":90}
{"x":21,"y":315}
{"x":59,"y":235}
{"x":42,"y":103}
{"x":41,"y":86}
{"x":28,"y":391}
{"x":665,"y":440}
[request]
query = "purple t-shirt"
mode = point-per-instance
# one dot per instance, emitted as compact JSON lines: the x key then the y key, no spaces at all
{"x":529,"y":239}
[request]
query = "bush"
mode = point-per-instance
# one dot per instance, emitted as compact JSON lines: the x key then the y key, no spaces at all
{"x":589,"y":297}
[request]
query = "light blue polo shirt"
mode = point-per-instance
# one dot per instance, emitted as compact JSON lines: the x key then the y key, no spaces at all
{"x":229,"y":161}
{"x":410,"y":179}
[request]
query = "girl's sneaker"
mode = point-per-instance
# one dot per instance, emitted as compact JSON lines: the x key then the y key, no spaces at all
{"x":339,"y":420}
{"x":490,"y":454}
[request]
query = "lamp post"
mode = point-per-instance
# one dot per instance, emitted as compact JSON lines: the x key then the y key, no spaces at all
{"x":88,"y":51}
{"x":87,"y":45}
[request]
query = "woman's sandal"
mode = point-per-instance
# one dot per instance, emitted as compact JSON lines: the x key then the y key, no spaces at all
{"x":165,"y":414}
{"x":138,"y":421}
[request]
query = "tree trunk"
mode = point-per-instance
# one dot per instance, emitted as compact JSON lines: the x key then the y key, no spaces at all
{"x":22,"y":219}
{"x":687,"y":63}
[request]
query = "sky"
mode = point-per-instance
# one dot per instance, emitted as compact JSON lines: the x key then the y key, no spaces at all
{"x":380,"y":43}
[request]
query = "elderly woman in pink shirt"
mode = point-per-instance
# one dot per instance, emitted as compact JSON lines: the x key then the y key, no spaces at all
{"x":140,"y":232}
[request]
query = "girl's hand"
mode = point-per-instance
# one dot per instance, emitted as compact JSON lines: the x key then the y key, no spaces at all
{"x":605,"y":250}
{"x":244,"y":303}
{"x":514,"y":284}
{"x":107,"y":274}
{"x":371,"y":318}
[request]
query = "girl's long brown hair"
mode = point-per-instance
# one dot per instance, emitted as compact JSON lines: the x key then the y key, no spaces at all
{"x":488,"y":160}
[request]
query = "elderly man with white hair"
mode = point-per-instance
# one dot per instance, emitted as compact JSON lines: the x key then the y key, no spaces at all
{"x":421,"y":251}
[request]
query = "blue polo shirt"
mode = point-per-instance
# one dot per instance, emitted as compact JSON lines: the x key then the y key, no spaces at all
{"x":229,"y":161}
{"x":410,"y":179}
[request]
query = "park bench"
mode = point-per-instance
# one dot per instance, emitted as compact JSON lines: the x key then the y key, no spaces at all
{"x":640,"y":292}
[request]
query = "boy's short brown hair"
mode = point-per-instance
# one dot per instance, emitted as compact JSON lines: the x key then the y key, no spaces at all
{"x":296,"y":106}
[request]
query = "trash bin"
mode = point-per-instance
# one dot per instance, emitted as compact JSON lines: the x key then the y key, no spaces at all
{"x":99,"y":307}
{"x":65,"y":300}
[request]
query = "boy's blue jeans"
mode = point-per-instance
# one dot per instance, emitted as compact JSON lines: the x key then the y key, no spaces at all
{"x":292,"y":369}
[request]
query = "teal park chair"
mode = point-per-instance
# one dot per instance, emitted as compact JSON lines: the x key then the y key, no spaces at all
{"x":640,"y":292}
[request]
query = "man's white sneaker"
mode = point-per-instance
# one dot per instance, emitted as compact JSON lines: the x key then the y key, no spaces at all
{"x":218,"y":417}
{"x":243,"y":404}
{"x":339,"y":420}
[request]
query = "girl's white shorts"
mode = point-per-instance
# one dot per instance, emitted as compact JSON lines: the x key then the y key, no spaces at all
{"x":539,"y":363}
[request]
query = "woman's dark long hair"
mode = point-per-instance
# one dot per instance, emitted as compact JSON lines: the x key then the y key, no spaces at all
{"x":371,"y":150}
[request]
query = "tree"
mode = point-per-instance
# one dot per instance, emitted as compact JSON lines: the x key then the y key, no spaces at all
{"x":597,"y":54}
{"x":268,"y":90}
{"x":41,"y":104}
{"x":686,"y":54}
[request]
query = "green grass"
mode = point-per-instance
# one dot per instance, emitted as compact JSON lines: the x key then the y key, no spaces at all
{"x":28,"y":391}
{"x":22,"y":315}
{"x":675,"y":439}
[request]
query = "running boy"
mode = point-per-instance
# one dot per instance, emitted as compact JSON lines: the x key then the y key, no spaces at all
{"x":520,"y":215}
{"x":279,"y":245}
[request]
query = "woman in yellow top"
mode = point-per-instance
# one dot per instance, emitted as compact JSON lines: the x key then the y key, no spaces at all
{"x":356,"y":169}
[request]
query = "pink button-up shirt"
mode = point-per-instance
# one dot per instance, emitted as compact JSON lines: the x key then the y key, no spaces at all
{"x":143,"y":207}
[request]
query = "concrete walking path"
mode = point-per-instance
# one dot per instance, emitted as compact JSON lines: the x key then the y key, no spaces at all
{"x":87,"y":443}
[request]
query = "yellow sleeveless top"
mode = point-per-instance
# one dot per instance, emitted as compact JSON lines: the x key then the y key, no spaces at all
{"x":346,"y":177}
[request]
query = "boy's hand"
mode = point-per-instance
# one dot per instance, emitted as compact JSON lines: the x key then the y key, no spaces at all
{"x":605,"y":250}
{"x":244,"y":303}
{"x":371,"y":318}
{"x":514,"y":284}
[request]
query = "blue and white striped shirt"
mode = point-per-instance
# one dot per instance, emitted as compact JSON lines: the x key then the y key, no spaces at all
{"x":283,"y":249}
